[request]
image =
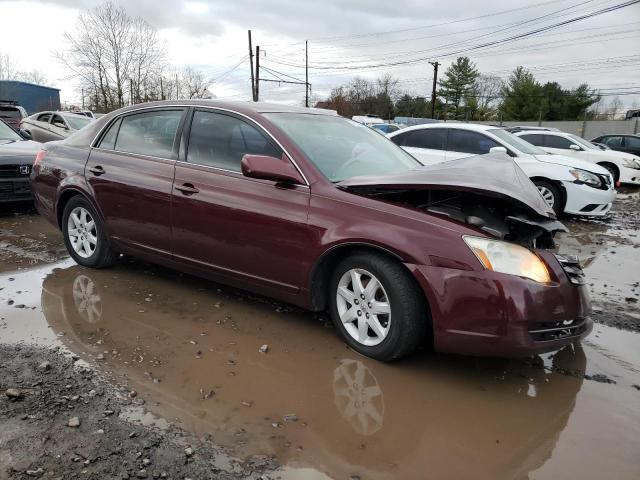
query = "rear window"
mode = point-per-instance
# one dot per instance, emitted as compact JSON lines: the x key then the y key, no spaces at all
{"x":149,"y":133}
{"x":10,"y":112}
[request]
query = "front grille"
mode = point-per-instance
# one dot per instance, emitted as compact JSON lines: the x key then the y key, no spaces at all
{"x":546,"y":331}
{"x":10,"y":171}
{"x":572,"y":268}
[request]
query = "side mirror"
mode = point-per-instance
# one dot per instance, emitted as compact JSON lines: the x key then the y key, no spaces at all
{"x":265,"y":167}
{"x":575,"y":147}
{"x":498,"y":150}
{"x":24,"y":134}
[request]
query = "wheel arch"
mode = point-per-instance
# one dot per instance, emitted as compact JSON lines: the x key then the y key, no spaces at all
{"x":612,"y":166}
{"x":557,"y":183}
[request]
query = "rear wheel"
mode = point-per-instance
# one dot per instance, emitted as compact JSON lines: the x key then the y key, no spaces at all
{"x":377,"y":307}
{"x":550,"y":193}
{"x":84,"y":235}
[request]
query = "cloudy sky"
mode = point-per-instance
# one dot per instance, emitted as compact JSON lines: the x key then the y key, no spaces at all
{"x":354,"y":37}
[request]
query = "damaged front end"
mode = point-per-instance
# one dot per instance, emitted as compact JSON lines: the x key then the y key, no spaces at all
{"x":490,"y":193}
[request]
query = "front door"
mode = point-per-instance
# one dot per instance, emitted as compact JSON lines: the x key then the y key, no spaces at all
{"x":131,"y":173}
{"x":466,"y":143}
{"x":243,"y":228}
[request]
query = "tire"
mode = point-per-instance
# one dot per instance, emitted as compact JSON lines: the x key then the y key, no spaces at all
{"x":613,"y":171}
{"x":551,"y":194}
{"x":84,"y":235}
{"x":401,"y":330}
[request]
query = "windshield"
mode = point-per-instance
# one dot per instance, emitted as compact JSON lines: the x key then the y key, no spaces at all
{"x":77,"y":121}
{"x":516,"y":142}
{"x":8,"y":134}
{"x":341,"y":148}
{"x":582,"y":142}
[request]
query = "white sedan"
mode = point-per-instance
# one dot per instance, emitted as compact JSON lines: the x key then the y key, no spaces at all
{"x":567,"y":184}
{"x":624,"y":167}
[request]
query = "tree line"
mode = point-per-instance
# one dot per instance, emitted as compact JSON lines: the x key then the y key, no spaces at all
{"x":464,"y":93}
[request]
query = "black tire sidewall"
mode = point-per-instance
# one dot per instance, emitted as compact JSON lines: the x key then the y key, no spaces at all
{"x":102,"y":250}
{"x":403,"y":312}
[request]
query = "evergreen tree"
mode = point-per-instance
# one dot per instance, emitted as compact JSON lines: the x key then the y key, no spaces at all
{"x":523,"y":98}
{"x":458,"y":82}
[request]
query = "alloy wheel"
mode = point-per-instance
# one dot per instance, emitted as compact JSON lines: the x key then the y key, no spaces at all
{"x":363,"y":307}
{"x":82,"y":232}
{"x":547,"y":194}
{"x":87,"y":300}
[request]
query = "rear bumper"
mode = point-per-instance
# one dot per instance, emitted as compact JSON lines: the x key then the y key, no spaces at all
{"x":585,"y":200}
{"x":14,"y":190}
{"x":484,"y":313}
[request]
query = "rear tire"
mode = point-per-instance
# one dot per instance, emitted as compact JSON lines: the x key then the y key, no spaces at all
{"x":551,"y":194}
{"x":377,"y":306}
{"x":84,"y":235}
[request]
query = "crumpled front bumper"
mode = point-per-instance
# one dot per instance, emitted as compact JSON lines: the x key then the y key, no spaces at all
{"x":484,"y":313}
{"x":629,"y":175}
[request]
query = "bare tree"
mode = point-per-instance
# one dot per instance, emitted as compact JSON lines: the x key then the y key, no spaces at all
{"x":116,"y":57}
{"x":9,"y":71}
{"x":615,"y":108}
{"x":194,"y":84}
{"x":483,"y":103}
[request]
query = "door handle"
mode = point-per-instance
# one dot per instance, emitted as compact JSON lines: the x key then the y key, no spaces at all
{"x":187,"y":189}
{"x":97,"y":170}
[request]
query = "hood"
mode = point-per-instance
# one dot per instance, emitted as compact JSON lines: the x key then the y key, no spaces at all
{"x":492,"y":175}
{"x":20,"y":151}
{"x":573,"y":163}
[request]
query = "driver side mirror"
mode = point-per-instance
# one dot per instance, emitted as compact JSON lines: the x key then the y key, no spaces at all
{"x":575,"y":147}
{"x":498,"y":150}
{"x":265,"y":167}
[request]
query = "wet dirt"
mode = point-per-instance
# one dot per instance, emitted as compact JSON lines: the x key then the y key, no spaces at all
{"x":193,"y":352}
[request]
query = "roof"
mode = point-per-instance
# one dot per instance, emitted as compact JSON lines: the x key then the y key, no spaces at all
{"x":240,"y":106}
{"x":30,"y":84}
{"x":462,"y":126}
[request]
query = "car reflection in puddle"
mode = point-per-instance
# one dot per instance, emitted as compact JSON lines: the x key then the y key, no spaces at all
{"x":191,"y":350}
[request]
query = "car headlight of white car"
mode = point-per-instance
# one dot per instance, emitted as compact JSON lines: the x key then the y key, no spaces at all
{"x":509,"y":258}
{"x":583,"y":176}
{"x":631,"y":163}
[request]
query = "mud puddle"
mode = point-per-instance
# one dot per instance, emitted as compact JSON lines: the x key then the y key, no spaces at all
{"x":192,"y":350}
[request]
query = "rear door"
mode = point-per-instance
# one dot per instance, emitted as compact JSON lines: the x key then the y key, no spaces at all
{"x":466,"y":143}
{"x":243,"y":228}
{"x":39,"y":127}
{"x":131,"y":173}
{"x":427,"y":145}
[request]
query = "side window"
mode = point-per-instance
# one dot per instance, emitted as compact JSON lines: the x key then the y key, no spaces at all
{"x":467,"y":141}
{"x":612,"y":141}
{"x":534,"y":139}
{"x":149,"y":133}
{"x":632,"y":142}
{"x":433,"y":138}
{"x":220,"y":141}
{"x":109,"y":139}
{"x":553,"y":141}
{"x":57,"y":121}
{"x":45,"y":117}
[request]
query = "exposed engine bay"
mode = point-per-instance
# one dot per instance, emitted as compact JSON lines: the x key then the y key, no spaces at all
{"x":504,"y":218}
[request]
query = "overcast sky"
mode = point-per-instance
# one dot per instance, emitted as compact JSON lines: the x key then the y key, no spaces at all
{"x":348,"y":37}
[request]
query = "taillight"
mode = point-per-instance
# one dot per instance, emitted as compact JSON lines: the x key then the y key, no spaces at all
{"x":39,"y":156}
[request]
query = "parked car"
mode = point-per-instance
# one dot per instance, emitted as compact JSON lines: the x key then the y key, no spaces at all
{"x":624,"y":167}
{"x":601,"y":146}
{"x":568,"y":185}
{"x":16,"y":159}
{"x":326,"y":214}
{"x":519,"y":128}
{"x":386,"y":127}
{"x":368,"y":120}
{"x":12,"y":113}
{"x":621,"y":143}
{"x":49,"y":126}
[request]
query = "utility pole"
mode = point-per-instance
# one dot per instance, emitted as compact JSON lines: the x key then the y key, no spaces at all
{"x":306,"y":73}
{"x":257,"y":98}
{"x":177,"y":88}
{"x":433,"y":90}
{"x":82,"y":93}
{"x":253,"y":82}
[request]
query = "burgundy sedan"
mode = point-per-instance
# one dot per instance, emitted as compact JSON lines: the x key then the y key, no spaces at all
{"x":324,"y":213}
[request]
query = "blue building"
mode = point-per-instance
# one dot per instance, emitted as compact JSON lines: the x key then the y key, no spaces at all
{"x":34,"y":98}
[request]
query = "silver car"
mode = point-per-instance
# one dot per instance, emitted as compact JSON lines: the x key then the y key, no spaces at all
{"x":49,"y":126}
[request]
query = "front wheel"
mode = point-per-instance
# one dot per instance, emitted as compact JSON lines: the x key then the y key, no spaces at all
{"x":377,"y":307}
{"x":550,"y":193}
{"x":84,"y":235}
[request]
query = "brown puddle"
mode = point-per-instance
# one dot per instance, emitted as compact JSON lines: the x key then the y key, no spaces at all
{"x":192,"y":351}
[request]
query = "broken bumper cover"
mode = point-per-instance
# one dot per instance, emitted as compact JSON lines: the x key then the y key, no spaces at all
{"x":630,"y":176}
{"x":485,"y":313}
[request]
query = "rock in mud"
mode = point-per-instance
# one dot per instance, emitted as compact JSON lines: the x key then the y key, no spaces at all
{"x":74,"y":422}
{"x":14,"y":394}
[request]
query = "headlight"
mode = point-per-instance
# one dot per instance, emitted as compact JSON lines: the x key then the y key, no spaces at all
{"x":505,"y":257}
{"x":586,"y":177}
{"x":631,"y":163}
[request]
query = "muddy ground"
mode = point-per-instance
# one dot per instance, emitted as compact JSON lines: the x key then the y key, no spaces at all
{"x":308,"y":407}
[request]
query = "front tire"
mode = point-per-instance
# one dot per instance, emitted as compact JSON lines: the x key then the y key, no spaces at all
{"x":377,"y":306}
{"x":551,"y":194}
{"x":84,"y":235}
